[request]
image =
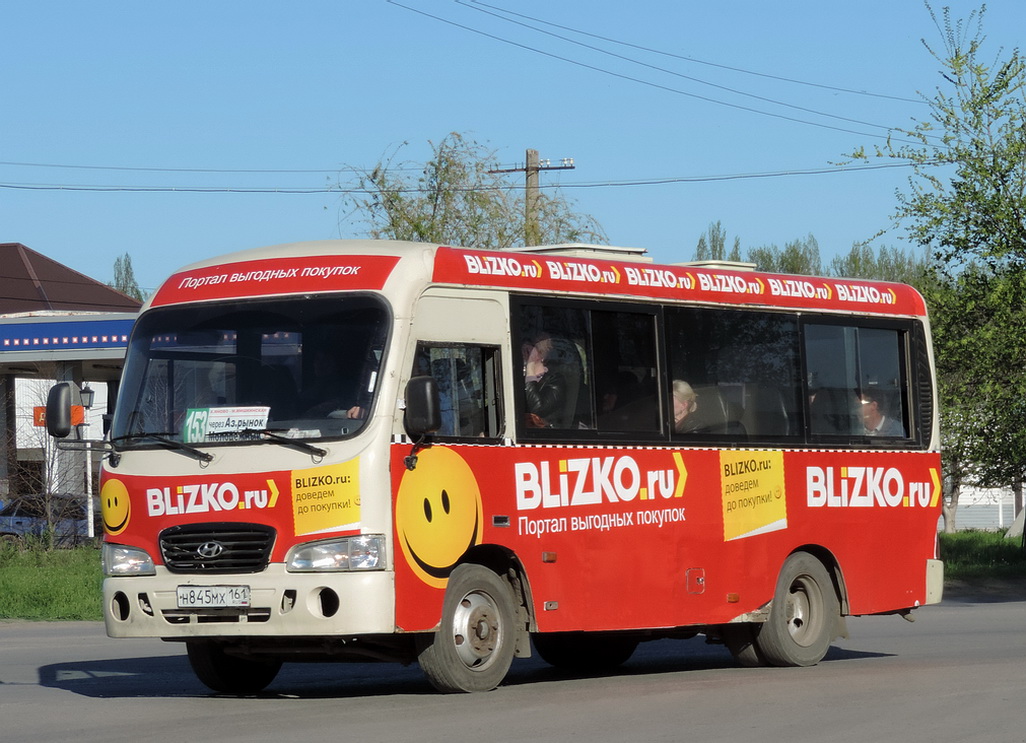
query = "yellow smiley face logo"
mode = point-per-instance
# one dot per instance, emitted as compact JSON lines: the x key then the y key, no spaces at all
{"x":115,"y":507}
{"x":437,"y":514}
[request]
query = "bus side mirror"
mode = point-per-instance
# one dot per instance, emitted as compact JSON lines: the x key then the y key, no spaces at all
{"x":58,"y":410}
{"x":423,"y":414}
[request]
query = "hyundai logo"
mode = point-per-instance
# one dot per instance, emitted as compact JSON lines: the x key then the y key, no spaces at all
{"x":210,"y":550}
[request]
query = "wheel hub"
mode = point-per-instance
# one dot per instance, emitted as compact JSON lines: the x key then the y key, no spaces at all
{"x":475,"y":629}
{"x":799,"y":612}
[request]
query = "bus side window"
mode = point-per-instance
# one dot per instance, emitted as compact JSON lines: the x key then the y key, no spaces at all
{"x":735,"y":374}
{"x":626,"y":371}
{"x":556,"y":383}
{"x":856,"y":378}
{"x":467,"y":381}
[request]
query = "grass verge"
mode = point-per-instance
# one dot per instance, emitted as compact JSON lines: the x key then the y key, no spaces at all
{"x":982,"y":554}
{"x":62,"y":584}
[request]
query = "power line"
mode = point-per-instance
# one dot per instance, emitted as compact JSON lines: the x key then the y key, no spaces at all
{"x":626,"y":183}
{"x":162,"y":189}
{"x":640,"y":81}
{"x":150,"y":169}
{"x":700,"y":61}
{"x":741,"y":176}
{"x":216,"y":171}
{"x":674,"y":73}
{"x":341,"y":169}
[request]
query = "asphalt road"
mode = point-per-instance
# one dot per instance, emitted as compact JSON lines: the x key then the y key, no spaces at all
{"x":956,"y":674}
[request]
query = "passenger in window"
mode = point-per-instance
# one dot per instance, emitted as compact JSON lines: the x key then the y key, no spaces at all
{"x":552,"y":379}
{"x":685,"y":403}
{"x":876,"y":415}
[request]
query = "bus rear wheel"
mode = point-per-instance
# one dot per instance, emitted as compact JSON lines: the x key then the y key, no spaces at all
{"x":476,"y":639}
{"x":229,"y":674}
{"x":803,"y":616}
{"x":740,"y":640}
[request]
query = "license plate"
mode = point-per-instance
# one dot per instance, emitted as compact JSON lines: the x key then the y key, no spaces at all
{"x":201,"y":597}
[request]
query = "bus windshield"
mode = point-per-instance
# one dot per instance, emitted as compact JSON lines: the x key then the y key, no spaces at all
{"x":300,"y":368}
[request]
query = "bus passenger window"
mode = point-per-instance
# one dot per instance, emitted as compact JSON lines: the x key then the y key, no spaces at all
{"x":736,"y":374}
{"x":855,"y":377}
{"x":555,"y":385}
{"x":589,"y":370}
{"x":881,"y":383}
{"x":626,"y":371}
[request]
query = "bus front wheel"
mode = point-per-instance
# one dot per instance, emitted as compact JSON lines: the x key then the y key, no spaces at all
{"x":476,"y":639}
{"x":803,"y":616}
{"x":229,"y":674}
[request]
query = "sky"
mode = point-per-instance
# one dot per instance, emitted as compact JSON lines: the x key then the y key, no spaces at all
{"x":175,"y":132}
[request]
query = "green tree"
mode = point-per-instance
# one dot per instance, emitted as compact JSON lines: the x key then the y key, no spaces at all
{"x":966,"y":204}
{"x":712,"y":246}
{"x":977,"y":317}
{"x":966,"y":200}
{"x":882,"y":264}
{"x":796,"y":257}
{"x":458,"y":199}
{"x":124,"y":278}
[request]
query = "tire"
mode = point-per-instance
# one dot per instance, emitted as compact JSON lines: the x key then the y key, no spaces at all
{"x":584,"y":652}
{"x":476,"y":639}
{"x":803,"y":617}
{"x":740,"y":640}
{"x":229,"y":674}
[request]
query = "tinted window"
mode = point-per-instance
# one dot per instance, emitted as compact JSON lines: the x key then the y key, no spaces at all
{"x":856,"y":381}
{"x":588,"y":370}
{"x":555,"y":351}
{"x":734,"y":373}
{"x":599,"y":371}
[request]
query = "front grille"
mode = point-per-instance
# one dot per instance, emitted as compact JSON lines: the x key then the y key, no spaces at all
{"x":216,"y":616}
{"x":216,"y":548}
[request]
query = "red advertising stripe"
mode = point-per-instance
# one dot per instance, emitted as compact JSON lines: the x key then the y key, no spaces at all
{"x":317,"y":273}
{"x":687,"y":283}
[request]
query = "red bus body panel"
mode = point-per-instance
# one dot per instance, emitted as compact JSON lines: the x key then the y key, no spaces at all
{"x":644,"y":538}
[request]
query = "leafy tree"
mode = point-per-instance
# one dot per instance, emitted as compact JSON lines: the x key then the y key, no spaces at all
{"x":966,"y":204}
{"x":966,"y":199}
{"x":124,"y":278}
{"x":712,"y":246}
{"x":882,"y":264}
{"x":458,"y":199}
{"x":978,"y":314}
{"x":798,"y":257}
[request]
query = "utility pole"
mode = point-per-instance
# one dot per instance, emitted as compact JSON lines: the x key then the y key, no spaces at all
{"x":531,"y":167}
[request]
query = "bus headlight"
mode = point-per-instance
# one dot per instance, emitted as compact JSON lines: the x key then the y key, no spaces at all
{"x":119,"y":560}
{"x":366,"y":552}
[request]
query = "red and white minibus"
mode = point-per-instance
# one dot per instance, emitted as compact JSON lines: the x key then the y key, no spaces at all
{"x":362,"y":450}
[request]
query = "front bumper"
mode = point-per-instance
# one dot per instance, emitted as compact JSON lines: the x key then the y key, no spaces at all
{"x":282,"y":605}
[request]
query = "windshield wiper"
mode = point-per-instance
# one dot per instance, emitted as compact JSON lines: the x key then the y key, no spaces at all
{"x":286,"y":441}
{"x":162,"y":439}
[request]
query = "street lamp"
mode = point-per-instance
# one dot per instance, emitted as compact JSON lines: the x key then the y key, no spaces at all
{"x":87,"y":395}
